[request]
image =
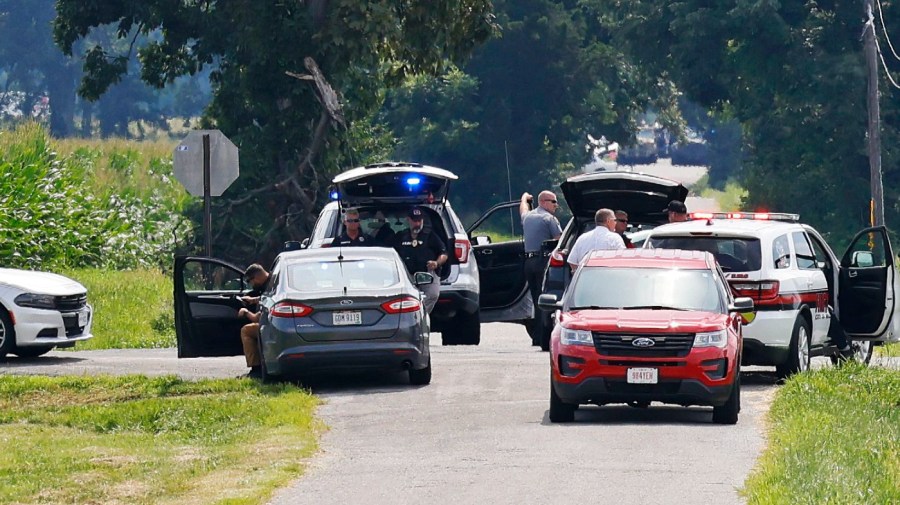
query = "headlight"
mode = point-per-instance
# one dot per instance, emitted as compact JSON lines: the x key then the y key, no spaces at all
{"x":36,"y":301}
{"x":711,"y":339}
{"x":575,"y":337}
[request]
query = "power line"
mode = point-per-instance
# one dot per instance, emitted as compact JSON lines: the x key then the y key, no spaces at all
{"x":884,"y":65}
{"x":884,"y":27}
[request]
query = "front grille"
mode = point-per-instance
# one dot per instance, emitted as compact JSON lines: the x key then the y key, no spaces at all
{"x":664,"y":346}
{"x":71,"y":303}
{"x":71,"y":323}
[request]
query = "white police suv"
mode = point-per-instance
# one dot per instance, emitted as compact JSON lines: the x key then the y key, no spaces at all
{"x":798,"y":285}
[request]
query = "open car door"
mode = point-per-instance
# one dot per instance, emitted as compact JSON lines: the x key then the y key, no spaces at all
{"x":866,"y":286}
{"x":207,"y":294}
{"x":500,"y":252}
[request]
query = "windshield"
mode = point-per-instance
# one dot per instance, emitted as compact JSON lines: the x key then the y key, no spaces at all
{"x":311,"y":276}
{"x":733,"y":254}
{"x":650,"y":288}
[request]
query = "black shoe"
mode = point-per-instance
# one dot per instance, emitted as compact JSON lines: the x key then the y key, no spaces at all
{"x":846,"y":353}
{"x":254,"y":373}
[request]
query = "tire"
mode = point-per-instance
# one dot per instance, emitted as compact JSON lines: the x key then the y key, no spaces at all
{"x":421,"y":377}
{"x":464,"y":330}
{"x":264,"y":376}
{"x":31,"y":352}
{"x":560,"y":412}
{"x":7,"y":334}
{"x":798,"y":354}
{"x":728,"y":413}
{"x":862,"y":352}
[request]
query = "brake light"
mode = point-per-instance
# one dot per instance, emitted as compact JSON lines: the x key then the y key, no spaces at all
{"x":290,"y":309}
{"x":462,"y":247}
{"x":759,"y":291}
{"x":401,"y":305}
{"x":558,"y":258}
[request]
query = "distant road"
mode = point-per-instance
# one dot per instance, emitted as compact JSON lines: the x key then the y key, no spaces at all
{"x":687,"y":175}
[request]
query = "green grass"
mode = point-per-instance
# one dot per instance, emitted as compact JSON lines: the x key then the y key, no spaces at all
{"x":834,"y":439}
{"x":146,"y":440}
{"x":889,"y":350}
{"x":132,"y":309}
{"x":729,"y":199}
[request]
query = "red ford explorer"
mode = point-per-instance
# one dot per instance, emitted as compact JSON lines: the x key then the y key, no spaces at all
{"x":643,"y":325}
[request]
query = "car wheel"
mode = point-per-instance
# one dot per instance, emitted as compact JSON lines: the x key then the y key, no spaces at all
{"x":31,"y":352}
{"x":7,"y":334}
{"x":560,"y":412}
{"x":862,"y":352}
{"x":798,"y":355}
{"x":464,"y":330}
{"x":420,"y":377}
{"x":728,"y":413}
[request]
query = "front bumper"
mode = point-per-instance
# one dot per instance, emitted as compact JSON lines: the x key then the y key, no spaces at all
{"x":601,"y":390}
{"x":50,"y":328}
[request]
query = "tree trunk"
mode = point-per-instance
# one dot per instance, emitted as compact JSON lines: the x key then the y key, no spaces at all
{"x":62,"y":102}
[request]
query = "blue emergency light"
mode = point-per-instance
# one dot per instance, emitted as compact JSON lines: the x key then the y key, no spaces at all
{"x":334,"y":195}
{"x":413,"y":180}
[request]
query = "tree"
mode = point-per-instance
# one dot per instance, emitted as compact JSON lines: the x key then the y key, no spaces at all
{"x":792,"y":73}
{"x":289,"y":146}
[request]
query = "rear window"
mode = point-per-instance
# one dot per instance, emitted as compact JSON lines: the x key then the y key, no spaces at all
{"x":733,"y":254}
{"x":311,"y":276}
{"x":647,"y":288}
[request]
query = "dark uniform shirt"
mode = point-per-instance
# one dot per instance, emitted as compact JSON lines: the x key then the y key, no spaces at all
{"x":416,"y":253}
{"x":344,"y":240}
{"x":384,"y":236}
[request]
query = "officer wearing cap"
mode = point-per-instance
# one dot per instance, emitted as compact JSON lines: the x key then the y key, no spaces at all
{"x":677,"y":211}
{"x":352,"y":236}
{"x":422,"y":251}
{"x":538,"y":225}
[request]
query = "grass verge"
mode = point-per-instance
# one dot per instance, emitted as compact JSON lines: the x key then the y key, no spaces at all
{"x":834,"y":439}
{"x":133,"y":309}
{"x":150,"y":440}
{"x":889,"y":350}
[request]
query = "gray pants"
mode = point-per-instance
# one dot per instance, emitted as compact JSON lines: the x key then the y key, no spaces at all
{"x":432,"y":292}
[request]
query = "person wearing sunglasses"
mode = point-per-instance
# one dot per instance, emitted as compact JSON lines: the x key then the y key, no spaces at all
{"x":621,"y":226}
{"x":352,"y":236}
{"x":538,"y":225}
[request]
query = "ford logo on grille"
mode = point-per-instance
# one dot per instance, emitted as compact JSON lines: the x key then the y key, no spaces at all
{"x":643,"y":342}
{"x":346,"y":302}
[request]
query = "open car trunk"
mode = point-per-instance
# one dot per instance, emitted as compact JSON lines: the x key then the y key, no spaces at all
{"x":642,"y":196}
{"x":400,"y":183}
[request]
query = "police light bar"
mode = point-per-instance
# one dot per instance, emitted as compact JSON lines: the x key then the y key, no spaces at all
{"x":758,"y":216}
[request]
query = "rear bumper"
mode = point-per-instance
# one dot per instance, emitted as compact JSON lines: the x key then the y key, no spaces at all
{"x":350,"y":356}
{"x":451,"y":303}
{"x":602,"y":390}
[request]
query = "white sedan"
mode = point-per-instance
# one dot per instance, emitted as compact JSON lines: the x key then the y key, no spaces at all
{"x":40,"y":311}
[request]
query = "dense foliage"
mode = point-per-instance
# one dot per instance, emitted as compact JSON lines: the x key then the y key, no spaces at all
{"x":793,"y":74}
{"x":289,"y":149}
{"x":52,"y":217}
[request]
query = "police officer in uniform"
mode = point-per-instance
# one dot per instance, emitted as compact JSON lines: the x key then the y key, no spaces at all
{"x":422,"y":251}
{"x":538,"y":225}
{"x":352,"y":236}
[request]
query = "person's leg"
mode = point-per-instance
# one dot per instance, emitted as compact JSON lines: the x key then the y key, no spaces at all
{"x":250,"y":341}
{"x":432,"y":292}
{"x":534,"y":274}
{"x":837,"y":335}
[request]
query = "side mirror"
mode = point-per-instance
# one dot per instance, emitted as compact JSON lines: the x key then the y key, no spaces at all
{"x":549,"y":302}
{"x":305,"y":243}
{"x":482,"y":240}
{"x":423,"y":278}
{"x":862,"y":259}
{"x":293,"y":245}
{"x":741,"y":304}
{"x":820,"y":265}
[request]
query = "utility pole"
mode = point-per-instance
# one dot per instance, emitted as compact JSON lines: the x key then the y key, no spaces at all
{"x":876,"y":205}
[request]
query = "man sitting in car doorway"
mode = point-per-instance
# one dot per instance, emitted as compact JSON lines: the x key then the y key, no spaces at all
{"x":422,"y":251}
{"x":352,"y":236}
{"x":258,"y":278}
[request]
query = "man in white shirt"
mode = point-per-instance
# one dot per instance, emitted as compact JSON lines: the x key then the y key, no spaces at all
{"x":602,"y":237}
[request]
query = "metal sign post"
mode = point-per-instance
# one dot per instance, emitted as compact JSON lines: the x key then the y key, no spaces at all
{"x":207,"y":199}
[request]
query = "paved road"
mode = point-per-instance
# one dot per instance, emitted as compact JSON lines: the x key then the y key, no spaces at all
{"x":687,"y":175}
{"x":480,"y":434}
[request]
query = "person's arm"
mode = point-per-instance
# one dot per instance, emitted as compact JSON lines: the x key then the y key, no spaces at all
{"x":575,"y":253}
{"x":523,"y":204}
{"x":555,"y":229}
{"x":252,"y":316}
{"x":440,"y":249}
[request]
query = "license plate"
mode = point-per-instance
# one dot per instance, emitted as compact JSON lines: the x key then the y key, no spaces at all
{"x":346,"y":318}
{"x":83,"y":317}
{"x":643,"y":376}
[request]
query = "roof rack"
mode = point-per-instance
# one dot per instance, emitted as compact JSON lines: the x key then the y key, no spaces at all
{"x":757,"y":216}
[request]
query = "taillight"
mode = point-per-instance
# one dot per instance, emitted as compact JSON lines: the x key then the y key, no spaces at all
{"x":290,"y":309}
{"x":462,"y":247}
{"x":401,"y":305}
{"x":759,"y":291}
{"x":558,"y":258}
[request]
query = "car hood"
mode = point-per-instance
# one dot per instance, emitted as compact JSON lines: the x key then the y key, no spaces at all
{"x":650,"y":321}
{"x":43,"y":283}
{"x":642,"y":196}
{"x":406,"y":183}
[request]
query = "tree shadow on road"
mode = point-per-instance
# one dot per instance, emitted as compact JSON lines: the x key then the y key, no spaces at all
{"x":13,"y":362}
{"x":356,"y":383}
